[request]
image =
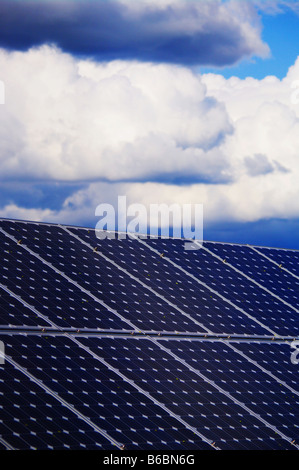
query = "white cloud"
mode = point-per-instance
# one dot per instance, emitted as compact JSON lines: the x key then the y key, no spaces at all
{"x":264,"y":115}
{"x":131,"y":129}
{"x":67,"y":120}
{"x":180,"y":32}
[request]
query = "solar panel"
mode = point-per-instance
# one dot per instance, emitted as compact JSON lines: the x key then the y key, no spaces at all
{"x":138,"y":344}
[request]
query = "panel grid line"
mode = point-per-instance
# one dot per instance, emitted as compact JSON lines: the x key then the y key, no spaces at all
{"x":93,"y":332}
{"x":6,"y":444}
{"x":250,"y":279}
{"x":237,"y":402}
{"x":65,"y":276}
{"x":274,"y":262}
{"x":207,"y":287}
{"x":144,"y":392}
{"x":159,"y":338}
{"x":134,"y":327}
{"x":140,"y":282}
{"x":63,"y":402}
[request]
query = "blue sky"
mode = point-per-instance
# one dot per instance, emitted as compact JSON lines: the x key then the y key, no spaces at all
{"x":280,"y":31}
{"x":168,"y":101}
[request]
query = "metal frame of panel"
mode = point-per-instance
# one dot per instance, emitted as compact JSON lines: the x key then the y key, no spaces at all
{"x":71,"y":323}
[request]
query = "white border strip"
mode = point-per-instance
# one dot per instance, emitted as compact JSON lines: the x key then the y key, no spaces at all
{"x":6,"y":444}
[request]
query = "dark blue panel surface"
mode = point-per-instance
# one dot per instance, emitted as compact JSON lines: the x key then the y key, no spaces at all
{"x":262,"y":392}
{"x":273,"y":357}
{"x":14,"y":313}
{"x":213,"y":312}
{"x":289,"y":259}
{"x":104,"y":280}
{"x":110,"y":401}
{"x":258,"y":303}
{"x":259,"y":268}
{"x":30,"y":418}
{"x":197,"y":400}
{"x":50,"y":293}
{"x":76,"y":376}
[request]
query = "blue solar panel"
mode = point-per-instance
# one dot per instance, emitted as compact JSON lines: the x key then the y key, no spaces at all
{"x":103,"y":280}
{"x":286,"y":259}
{"x":264,"y":306}
{"x":142,"y":345}
{"x":15,"y":313}
{"x":209,"y":310}
{"x":211,"y":392}
{"x":31,"y":418}
{"x":260,"y":269}
{"x":92,"y":390}
{"x":273,"y":358}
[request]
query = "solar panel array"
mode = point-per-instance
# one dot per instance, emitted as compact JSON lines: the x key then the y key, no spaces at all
{"x":140,"y":344}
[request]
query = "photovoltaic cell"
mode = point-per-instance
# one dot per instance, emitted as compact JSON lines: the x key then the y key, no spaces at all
{"x":273,"y":358}
{"x":202,"y":404}
{"x":104,"y":281}
{"x":238,"y":289}
{"x":140,"y":343}
{"x":94,"y":391}
{"x":288,"y":259}
{"x":33,"y":419}
{"x":260,"y":269}
{"x":210,"y":311}
{"x":14,"y":313}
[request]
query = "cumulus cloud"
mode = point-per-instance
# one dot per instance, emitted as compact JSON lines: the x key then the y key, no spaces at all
{"x":66,"y":119}
{"x":265,"y":117}
{"x":185,"y":32}
{"x":155,"y":133}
